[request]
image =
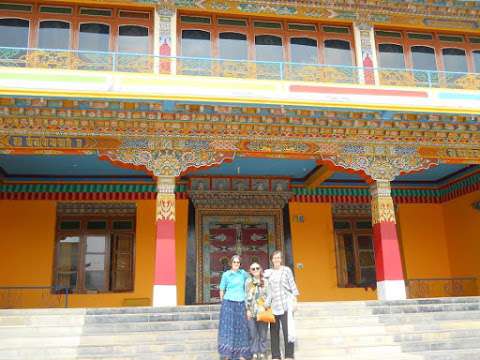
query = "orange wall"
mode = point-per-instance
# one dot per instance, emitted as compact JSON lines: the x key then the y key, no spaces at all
{"x":462,"y":225}
{"x":424,"y":244}
{"x":313,"y":245}
{"x":181,"y":233}
{"x":27,"y":247}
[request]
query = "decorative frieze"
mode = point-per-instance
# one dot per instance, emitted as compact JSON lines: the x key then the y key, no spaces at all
{"x":239,"y":199}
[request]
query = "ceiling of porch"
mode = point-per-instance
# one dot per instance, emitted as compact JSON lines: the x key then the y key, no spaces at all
{"x":91,"y":168}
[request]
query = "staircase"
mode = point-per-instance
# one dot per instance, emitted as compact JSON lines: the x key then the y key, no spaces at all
{"x":430,"y":329}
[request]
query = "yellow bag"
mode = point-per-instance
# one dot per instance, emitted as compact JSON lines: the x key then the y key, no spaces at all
{"x":266,"y":316}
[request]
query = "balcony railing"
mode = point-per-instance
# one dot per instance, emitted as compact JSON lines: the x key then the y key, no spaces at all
{"x":245,"y":69}
{"x":442,"y":287}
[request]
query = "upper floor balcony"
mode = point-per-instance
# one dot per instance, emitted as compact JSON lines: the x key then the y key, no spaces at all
{"x":129,"y":62}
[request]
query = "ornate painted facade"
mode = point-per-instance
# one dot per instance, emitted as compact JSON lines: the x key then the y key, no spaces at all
{"x":235,"y":152}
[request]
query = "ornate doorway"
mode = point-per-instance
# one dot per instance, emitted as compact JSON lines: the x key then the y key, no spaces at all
{"x":253,"y":234}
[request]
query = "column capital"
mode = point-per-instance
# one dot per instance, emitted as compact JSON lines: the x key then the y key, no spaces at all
{"x":165,"y":8}
{"x":383,"y":209}
{"x":166,"y":184}
{"x":380,"y":162}
{"x":363,"y":25}
{"x":168,"y":158}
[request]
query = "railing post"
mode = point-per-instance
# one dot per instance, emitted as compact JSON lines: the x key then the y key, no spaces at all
{"x":281,"y":70}
{"x":114,"y":62}
{"x":429,"y":78}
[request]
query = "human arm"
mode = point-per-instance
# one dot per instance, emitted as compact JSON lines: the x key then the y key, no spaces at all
{"x":291,"y":282}
{"x":223,"y":285}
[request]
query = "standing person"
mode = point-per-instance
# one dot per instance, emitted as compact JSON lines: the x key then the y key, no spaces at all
{"x":233,"y":341}
{"x":284,"y":294}
{"x":257,"y":299}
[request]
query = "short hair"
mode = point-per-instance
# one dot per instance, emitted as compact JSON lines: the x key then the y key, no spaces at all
{"x":276,"y":252}
{"x":235,"y":257}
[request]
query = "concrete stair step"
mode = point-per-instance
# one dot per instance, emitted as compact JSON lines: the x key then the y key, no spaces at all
{"x":434,"y":345}
{"x":466,"y":354}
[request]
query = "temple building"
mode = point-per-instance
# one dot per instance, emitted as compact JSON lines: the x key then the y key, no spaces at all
{"x":144,"y":142}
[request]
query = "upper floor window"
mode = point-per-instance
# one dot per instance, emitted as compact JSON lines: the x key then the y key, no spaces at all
{"x":338,"y":52}
{"x":455,"y":60}
{"x":14,"y":32}
{"x":133,"y":38}
{"x":232,"y":45}
{"x":476,"y":60}
{"x":196,"y":43}
{"x":391,"y":56}
{"x":242,"y":38}
{"x":54,"y":26}
{"x":54,"y":34}
{"x":430,"y":51}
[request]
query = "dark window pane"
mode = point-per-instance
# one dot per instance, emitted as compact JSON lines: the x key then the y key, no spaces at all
{"x":14,"y":33}
{"x":302,"y":27}
{"x":337,"y":52}
{"x":368,"y":276}
{"x":97,"y":225}
{"x":391,"y":56}
{"x":350,"y":258}
{"x":388,"y":33}
{"x":54,"y":35}
{"x":423,"y":58}
{"x":233,"y":46}
{"x":475,"y":40}
{"x":268,"y":48}
{"x":95,"y":12}
{"x":122,"y":225}
{"x":420,"y":36}
{"x":364,"y":224}
{"x":195,"y":19}
{"x":451,"y":38}
{"x":15,"y":7}
{"x":267,"y":25}
{"x":196,"y":43}
{"x":304,"y":50}
{"x":234,"y":22}
{"x":70,"y":225}
{"x":134,"y":14}
{"x":455,"y":60}
{"x":365,"y":242}
{"x":341,"y":225}
{"x":94,"y":37}
{"x":476,"y":60}
{"x":336,"y":29}
{"x":133,"y":39}
{"x":55,"y":10}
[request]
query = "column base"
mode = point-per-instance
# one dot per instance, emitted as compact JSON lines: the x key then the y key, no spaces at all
{"x":391,"y":290}
{"x":164,"y":295}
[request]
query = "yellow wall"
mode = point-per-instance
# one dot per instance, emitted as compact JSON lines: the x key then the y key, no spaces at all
{"x":313,"y":245}
{"x":424,"y":244}
{"x":27,"y":250}
{"x":462,"y":225}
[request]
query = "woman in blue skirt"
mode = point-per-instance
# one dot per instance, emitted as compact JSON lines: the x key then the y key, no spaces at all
{"x":233,"y":337}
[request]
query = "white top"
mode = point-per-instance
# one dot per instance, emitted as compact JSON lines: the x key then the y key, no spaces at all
{"x":282,"y":286}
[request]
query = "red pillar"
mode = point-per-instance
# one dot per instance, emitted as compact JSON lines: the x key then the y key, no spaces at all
{"x":388,"y":260}
{"x":165,"y":278}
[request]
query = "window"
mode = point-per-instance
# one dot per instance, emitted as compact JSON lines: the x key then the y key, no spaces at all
{"x":196,"y":43}
{"x":14,"y":33}
{"x":54,"y":35}
{"x":94,"y":37}
{"x":391,"y":56}
{"x":355,"y":253}
{"x":94,"y":252}
{"x":337,"y":52}
{"x":455,"y":60}
{"x":233,"y":46}
{"x":476,"y":60}
{"x":132,"y":38}
{"x":423,"y":58}
{"x":304,"y":50}
{"x":268,"y":48}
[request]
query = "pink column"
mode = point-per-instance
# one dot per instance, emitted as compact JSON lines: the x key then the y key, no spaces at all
{"x":388,"y":260}
{"x":165,"y":278}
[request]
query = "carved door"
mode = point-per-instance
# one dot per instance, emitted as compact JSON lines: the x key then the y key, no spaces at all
{"x":253,"y":235}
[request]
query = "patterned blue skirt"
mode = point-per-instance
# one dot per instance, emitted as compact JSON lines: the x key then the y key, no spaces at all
{"x":233,"y":338}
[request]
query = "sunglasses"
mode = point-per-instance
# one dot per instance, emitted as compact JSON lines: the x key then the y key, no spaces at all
{"x":254,"y":268}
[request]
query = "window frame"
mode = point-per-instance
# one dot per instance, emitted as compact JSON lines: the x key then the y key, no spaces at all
{"x":338,"y":233}
{"x":75,"y":19}
{"x":434,"y":43}
{"x":71,"y":31}
{"x":83,"y":233}
{"x":250,"y":31}
{"x":29,"y":38}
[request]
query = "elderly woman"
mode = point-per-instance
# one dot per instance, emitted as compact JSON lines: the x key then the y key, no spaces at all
{"x":233,"y":340}
{"x":284,"y":294}
{"x":257,"y":300}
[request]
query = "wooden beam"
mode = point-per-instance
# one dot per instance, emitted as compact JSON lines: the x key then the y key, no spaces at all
{"x":318,"y":177}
